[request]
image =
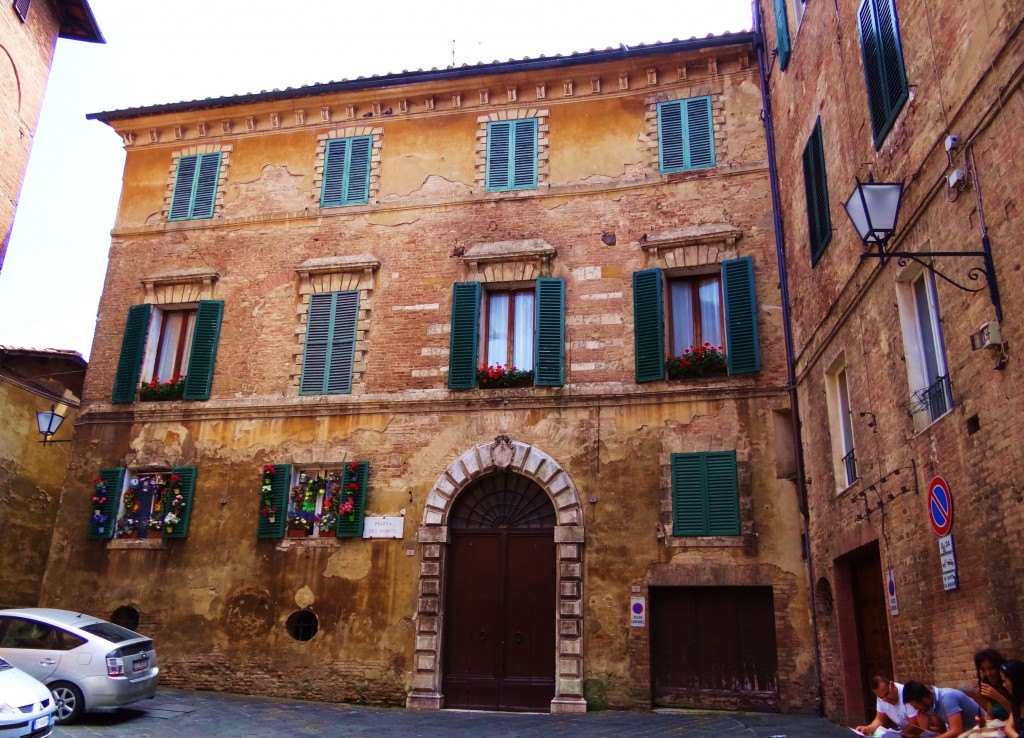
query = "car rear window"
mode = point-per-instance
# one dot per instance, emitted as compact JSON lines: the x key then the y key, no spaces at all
{"x":111,"y":632}
{"x":4,"y":666}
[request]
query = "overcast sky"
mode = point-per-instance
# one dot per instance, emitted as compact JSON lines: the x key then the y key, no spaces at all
{"x":166,"y":52}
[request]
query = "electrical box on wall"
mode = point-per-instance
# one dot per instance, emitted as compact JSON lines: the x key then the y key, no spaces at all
{"x":988,"y":336}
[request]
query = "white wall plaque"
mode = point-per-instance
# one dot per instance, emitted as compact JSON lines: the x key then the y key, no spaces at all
{"x":382,"y":526}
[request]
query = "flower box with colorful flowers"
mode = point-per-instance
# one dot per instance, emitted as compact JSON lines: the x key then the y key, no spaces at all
{"x":696,"y":362}
{"x":503,"y":375}
{"x":155,"y":390}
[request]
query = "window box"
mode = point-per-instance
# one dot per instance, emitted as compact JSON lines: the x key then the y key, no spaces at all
{"x":501,"y":376}
{"x":156,"y":391}
{"x":697,"y":363}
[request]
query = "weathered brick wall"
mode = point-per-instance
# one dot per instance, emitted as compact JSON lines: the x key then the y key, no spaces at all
{"x":962,"y":61}
{"x":26,"y":52}
{"x":221,"y":596}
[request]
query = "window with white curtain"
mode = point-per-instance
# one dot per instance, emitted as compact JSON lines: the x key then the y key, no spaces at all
{"x":927,"y":373}
{"x":510,"y":328}
{"x":695,"y":312}
{"x":169,"y":343}
{"x":840,"y":420}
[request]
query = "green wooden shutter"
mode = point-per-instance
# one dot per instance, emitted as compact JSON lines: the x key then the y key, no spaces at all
{"x":743,"y":353}
{"x":114,"y":478}
{"x":722,"y":489}
{"x":203,"y":353}
{"x":206,"y":186}
{"x":354,"y":528}
{"x":884,"y":71}
{"x":357,"y":186}
{"x":133,"y":346}
{"x":346,"y":171}
{"x":465,"y":332}
{"x":184,"y":183}
{"x":648,"y":326}
{"x":499,"y":149}
{"x":819,"y":219}
{"x":188,"y":483}
{"x":330,"y":343}
{"x":524,"y":154}
{"x":689,"y":514}
{"x":700,"y":133}
{"x":783,"y":46}
{"x":705,"y":494}
{"x":280,"y":484}
{"x":686,"y":136}
{"x":671,"y":145}
{"x":549,"y":365}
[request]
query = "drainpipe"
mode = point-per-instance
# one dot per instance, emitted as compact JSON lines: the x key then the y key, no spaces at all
{"x":780,"y":253}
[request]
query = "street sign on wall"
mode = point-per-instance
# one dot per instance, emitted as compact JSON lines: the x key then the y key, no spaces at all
{"x":940,"y":506}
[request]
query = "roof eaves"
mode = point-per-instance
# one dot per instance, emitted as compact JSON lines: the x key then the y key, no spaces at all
{"x":78,"y":22}
{"x":433,"y":75}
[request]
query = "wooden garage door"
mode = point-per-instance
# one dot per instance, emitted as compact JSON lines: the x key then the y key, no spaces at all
{"x":714,"y":647}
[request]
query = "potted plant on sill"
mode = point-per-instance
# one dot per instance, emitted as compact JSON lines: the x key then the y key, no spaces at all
{"x":128,"y":528}
{"x":155,"y":390}
{"x":503,"y":375}
{"x":267,"y":508}
{"x":327,"y":524}
{"x":300,"y":524}
{"x":170,"y":520}
{"x":695,"y":362}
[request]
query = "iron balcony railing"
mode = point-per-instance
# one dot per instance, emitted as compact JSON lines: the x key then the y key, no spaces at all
{"x":936,"y":398}
{"x":850,"y":462}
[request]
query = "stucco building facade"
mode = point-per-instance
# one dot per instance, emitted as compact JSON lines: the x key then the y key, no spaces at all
{"x":29,"y":30}
{"x":892,"y":392}
{"x":345,"y":498}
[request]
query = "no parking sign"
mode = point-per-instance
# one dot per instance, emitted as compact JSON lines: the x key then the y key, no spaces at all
{"x":940,"y":506}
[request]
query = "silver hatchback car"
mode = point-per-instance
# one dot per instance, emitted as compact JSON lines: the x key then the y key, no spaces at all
{"x":87,"y":663}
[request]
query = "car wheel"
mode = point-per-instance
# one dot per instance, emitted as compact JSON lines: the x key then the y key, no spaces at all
{"x":68,"y":699}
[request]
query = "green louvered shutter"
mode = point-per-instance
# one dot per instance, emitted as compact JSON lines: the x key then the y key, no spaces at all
{"x":114,"y":477}
{"x":524,"y":154}
{"x":188,"y":485}
{"x":549,"y":365}
{"x":279,"y":486}
{"x":203,"y":353}
{"x":206,"y":186}
{"x":465,"y":327}
{"x":330,"y":343}
{"x":354,"y":528}
{"x":184,"y":183}
{"x":689,"y":514}
{"x":783,"y":46}
{"x":671,"y":144}
{"x":819,"y":219}
{"x":743,"y":353}
{"x":700,"y":133}
{"x":686,"y":137}
{"x":499,"y":147}
{"x":133,"y":346}
{"x":346,"y":171}
{"x":648,"y":326}
{"x":722,"y":489}
{"x":884,"y":71}
{"x":705,"y":494}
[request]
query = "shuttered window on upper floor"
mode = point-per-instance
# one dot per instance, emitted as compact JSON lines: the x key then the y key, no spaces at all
{"x":346,"y":171}
{"x":195,"y":187}
{"x":330,"y":343}
{"x":783,"y":46}
{"x":21,"y":8}
{"x":512,"y":154}
{"x":884,"y":73}
{"x":819,"y":219}
{"x":686,"y":136}
{"x":705,"y":494}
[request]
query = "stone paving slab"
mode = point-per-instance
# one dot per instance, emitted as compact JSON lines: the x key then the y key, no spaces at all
{"x":175,"y":713}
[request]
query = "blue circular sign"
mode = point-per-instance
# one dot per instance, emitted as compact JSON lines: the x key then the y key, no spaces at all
{"x":638,"y":608}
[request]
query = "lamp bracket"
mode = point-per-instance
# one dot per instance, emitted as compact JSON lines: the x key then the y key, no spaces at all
{"x":986,"y":272}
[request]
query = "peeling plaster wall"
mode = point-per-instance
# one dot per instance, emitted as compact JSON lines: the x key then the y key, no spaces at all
{"x":217,"y":602}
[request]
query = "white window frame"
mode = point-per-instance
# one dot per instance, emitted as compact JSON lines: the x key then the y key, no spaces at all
{"x":799,"y":8}
{"x":156,"y":324}
{"x":840,"y":424}
{"x":311,"y":472}
{"x":122,"y":512}
{"x":917,"y":342}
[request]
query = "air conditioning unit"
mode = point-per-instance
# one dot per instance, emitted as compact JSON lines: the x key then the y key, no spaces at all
{"x":988,"y":336}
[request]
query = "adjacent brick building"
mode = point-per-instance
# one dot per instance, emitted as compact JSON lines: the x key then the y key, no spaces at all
{"x":337,"y":270}
{"x":891,"y":394}
{"x":28,"y":35}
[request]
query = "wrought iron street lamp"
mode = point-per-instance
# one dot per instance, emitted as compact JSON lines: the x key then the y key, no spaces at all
{"x":49,"y":423}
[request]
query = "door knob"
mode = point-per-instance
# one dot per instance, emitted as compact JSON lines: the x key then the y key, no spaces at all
{"x":482,"y":636}
{"x":519,"y":637}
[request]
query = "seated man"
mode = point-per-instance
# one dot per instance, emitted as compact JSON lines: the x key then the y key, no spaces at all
{"x":955,"y":709}
{"x":892,"y":711}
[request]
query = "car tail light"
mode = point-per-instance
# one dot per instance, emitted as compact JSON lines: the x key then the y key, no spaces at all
{"x":115,"y":666}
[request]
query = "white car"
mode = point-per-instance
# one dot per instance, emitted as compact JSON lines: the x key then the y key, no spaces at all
{"x":26,"y":706}
{"x":85,"y":662}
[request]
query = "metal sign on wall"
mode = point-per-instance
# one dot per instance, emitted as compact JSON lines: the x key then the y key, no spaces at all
{"x":637,"y":612}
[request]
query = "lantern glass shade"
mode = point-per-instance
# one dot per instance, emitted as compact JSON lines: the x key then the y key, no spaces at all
{"x":873,"y":207}
{"x":48,"y":422}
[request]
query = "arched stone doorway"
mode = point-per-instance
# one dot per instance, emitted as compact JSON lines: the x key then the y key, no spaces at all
{"x":443,"y":515}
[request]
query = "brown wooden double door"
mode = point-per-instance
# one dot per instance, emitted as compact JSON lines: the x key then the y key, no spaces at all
{"x":499,"y":647}
{"x":714,"y":647}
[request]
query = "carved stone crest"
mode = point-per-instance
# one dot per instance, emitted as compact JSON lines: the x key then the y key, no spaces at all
{"x":502,"y":451}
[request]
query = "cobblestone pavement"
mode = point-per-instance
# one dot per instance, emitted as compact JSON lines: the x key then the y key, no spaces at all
{"x":201,"y":714}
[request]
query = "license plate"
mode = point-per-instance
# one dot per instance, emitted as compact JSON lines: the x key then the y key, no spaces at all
{"x":141,"y":665}
{"x":40,"y":723}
